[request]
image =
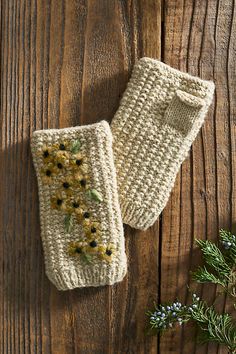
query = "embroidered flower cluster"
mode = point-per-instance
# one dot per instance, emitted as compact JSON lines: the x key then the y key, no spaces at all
{"x":68,"y":163}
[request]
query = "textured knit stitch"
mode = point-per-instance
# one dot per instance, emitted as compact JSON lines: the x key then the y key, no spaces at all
{"x":158,"y":118}
{"x":65,"y":268}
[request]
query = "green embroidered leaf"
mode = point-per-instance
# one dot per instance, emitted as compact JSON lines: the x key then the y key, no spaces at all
{"x":68,"y":222}
{"x":76,"y":146}
{"x":87,"y":258}
{"x":95,"y":195}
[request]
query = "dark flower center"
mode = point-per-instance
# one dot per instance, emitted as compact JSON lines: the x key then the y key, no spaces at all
{"x":86,"y":215}
{"x":93,"y":244}
{"x":45,"y":153}
{"x":78,"y":250}
{"x":48,"y":173}
{"x":108,"y":252}
{"x":75,"y":205}
{"x":59,"y":201}
{"x":79,"y":162}
{"x":93,"y":230}
{"x":83,"y":182}
{"x":66,"y":185}
{"x":62,"y":147}
{"x":59,"y":165}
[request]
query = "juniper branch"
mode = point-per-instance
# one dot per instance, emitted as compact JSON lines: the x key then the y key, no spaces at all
{"x":220,"y":269}
{"x":214,"y":258}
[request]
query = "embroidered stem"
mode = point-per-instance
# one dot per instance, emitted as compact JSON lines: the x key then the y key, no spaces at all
{"x":87,"y":258}
{"x":68,"y":222}
{"x":95,"y":195}
{"x":76,"y":146}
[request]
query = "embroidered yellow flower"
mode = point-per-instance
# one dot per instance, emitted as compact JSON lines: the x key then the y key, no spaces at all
{"x":47,"y":173}
{"x":59,"y":202}
{"x":75,"y":205}
{"x":91,"y":229}
{"x":81,"y":180}
{"x":76,"y":248}
{"x":62,"y":145}
{"x":62,"y":159}
{"x":46,"y":153}
{"x":78,"y":162}
{"x":67,"y":184}
{"x":92,"y":246}
{"x":107,"y":252}
{"x":85,"y":218}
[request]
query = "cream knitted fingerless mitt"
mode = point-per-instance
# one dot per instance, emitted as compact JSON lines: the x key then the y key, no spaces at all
{"x":81,"y":224}
{"x":159,"y":117}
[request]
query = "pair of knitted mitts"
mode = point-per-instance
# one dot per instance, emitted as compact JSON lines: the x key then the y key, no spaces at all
{"x":89,"y":184}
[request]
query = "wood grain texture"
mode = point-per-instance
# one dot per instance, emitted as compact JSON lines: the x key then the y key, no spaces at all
{"x":65,"y":63}
{"x":198,"y":39}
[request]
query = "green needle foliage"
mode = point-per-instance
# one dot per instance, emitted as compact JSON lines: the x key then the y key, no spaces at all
{"x":214,"y":258}
{"x":202,"y":275}
{"x":214,"y":327}
{"x":220,"y":265}
{"x":219,"y":269}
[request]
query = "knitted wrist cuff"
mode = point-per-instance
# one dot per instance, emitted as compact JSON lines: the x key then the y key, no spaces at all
{"x":81,"y":225}
{"x":159,"y":117}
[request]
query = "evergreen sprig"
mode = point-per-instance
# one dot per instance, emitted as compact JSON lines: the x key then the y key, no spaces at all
{"x":220,"y":265}
{"x":213,"y":327}
{"x":228,"y":241}
{"x":216,"y":328}
{"x":219,"y":269}
{"x":202,"y":275}
{"x":214,"y":258}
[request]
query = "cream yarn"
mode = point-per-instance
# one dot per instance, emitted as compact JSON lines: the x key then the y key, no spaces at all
{"x":81,"y":225}
{"x":159,"y":117}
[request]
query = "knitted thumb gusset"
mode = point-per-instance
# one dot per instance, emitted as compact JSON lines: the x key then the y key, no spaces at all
{"x":81,"y":225}
{"x":159,"y":117}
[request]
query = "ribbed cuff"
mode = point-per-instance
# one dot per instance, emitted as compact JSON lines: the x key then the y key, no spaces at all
{"x":138,"y":217}
{"x":70,"y":279}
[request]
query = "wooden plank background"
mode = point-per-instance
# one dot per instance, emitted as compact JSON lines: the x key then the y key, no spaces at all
{"x":66,"y":63}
